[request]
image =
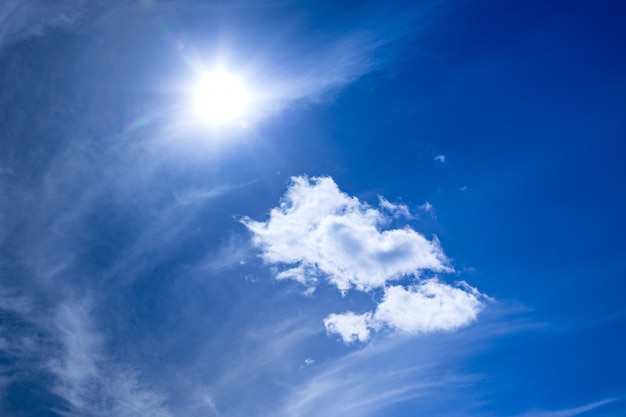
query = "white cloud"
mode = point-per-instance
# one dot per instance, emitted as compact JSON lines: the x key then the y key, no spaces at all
{"x":427,"y":207}
{"x":428,"y":306}
{"x":319,"y":230}
{"x":396,"y":209}
{"x":570,"y":412}
{"x":440,"y":158}
{"x":351,"y":327}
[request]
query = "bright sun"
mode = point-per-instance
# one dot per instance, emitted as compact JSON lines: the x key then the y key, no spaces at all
{"x":220,"y":98}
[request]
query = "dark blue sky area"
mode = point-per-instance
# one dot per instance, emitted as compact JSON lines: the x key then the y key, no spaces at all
{"x":418,"y":210}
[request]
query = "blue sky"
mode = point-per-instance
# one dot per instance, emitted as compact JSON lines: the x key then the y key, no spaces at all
{"x":418,"y":211}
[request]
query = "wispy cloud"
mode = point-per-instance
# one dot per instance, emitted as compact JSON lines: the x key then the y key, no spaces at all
{"x":367,"y":381}
{"x":427,"y":207}
{"x":568,"y":412}
{"x":86,"y":378}
{"x":396,"y":209}
{"x":21,"y":19}
{"x":315,"y":65}
{"x":235,"y":251}
{"x":65,"y":349}
{"x":202,"y":194}
{"x":13,"y":302}
{"x":298,"y":63}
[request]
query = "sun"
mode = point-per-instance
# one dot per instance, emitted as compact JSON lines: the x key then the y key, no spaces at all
{"x":220,"y":98}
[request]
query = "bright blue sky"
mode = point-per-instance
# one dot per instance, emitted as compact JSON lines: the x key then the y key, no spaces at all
{"x":419,"y":212}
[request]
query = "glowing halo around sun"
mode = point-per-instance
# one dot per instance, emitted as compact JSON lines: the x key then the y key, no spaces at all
{"x":220,"y":98}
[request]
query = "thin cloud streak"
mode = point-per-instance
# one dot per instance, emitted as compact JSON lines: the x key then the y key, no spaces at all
{"x":326,"y":68}
{"x":87,"y":379}
{"x":366,"y":381}
{"x":199,"y":195}
{"x":289,"y":66}
{"x":65,"y":348}
{"x":569,"y":412}
{"x":20,"y":19}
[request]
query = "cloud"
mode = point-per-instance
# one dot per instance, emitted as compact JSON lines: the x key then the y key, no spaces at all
{"x":427,"y":207}
{"x":396,"y":209}
{"x":21,"y":19}
{"x":320,"y":231}
{"x":300,"y":63}
{"x":440,"y":158}
{"x":12,"y":302}
{"x":350,"y":326}
{"x":87,"y":379}
{"x":428,"y":306}
{"x":369,"y":381}
{"x":229,"y":255}
{"x":314,"y":64}
{"x":570,"y":412}
{"x":202,"y":194}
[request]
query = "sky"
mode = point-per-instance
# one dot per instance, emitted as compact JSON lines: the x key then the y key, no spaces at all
{"x":291,"y":209}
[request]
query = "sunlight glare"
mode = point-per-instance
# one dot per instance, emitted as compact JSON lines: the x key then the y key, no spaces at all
{"x":220,"y":98}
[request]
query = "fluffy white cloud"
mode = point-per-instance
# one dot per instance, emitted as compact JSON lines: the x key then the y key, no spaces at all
{"x":319,"y":230}
{"x":428,"y":306}
{"x":350,"y":326}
